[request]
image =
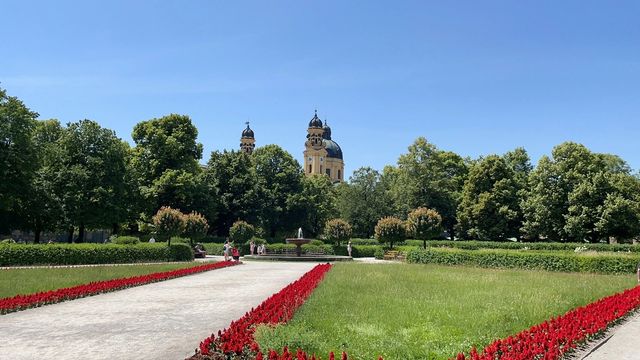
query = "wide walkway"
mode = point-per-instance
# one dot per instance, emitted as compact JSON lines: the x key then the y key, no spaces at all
{"x":165,"y":320}
{"x":623,"y":344}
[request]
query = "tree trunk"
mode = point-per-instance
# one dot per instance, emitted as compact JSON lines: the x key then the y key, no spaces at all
{"x":115,"y":229}
{"x":81,"y":233}
{"x":37,"y":231}
{"x":70,"y":237}
{"x":425,"y":244}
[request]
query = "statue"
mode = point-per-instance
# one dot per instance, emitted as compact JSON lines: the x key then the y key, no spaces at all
{"x":299,"y":233}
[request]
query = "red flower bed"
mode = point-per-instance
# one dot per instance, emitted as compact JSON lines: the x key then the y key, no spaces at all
{"x":238,"y":340}
{"x":553,"y":338}
{"x":21,"y":302}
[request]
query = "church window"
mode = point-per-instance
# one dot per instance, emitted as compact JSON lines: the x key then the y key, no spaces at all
{"x":309,"y":169}
{"x":339,"y":175}
{"x":328,"y":171}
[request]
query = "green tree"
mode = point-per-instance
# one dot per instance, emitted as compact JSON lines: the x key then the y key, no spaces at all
{"x":168,"y":223}
{"x":390,"y":230}
{"x":43,"y":210}
{"x":89,"y":176}
{"x":337,"y":231}
{"x":241,"y":232}
{"x":195,"y":227}
{"x":279,"y":177}
{"x":490,"y":208}
{"x":165,"y":161}
{"x":363,"y":201}
{"x":424,"y":224}
{"x":311,"y":208}
{"x":570,"y":192}
{"x":231,"y":183}
{"x":429,"y":177}
{"x":18,"y":159}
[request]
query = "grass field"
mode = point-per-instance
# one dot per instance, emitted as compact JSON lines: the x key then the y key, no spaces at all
{"x":403,"y":311}
{"x":26,"y":281}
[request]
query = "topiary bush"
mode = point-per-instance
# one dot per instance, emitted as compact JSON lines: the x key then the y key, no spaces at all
{"x":168,"y":222}
{"x":180,"y":252}
{"x":390,"y":230}
{"x":424,"y":224}
{"x":126,"y":240}
{"x":241,"y":232}
{"x":379,"y":253}
{"x":195,"y":227}
{"x":337,"y":231}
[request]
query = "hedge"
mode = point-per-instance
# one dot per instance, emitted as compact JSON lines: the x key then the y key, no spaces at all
{"x":475,"y":245}
{"x":568,"y":262}
{"x":78,"y":254}
{"x":357,"y":250}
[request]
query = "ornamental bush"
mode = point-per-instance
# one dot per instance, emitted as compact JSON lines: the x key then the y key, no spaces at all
{"x":241,"y":232}
{"x":77,"y":254}
{"x":389,"y":230}
{"x":424,"y":224}
{"x":195,"y":227}
{"x":511,"y":245}
{"x":168,"y":222}
{"x":126,"y":240}
{"x":337,"y":231}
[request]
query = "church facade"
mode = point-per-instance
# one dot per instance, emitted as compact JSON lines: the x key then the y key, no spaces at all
{"x":322,"y":155}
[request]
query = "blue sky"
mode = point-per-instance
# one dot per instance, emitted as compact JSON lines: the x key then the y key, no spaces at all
{"x":474,"y":77}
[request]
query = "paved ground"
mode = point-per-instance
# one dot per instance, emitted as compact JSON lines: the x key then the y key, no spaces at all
{"x":165,"y":320}
{"x":623,"y":343}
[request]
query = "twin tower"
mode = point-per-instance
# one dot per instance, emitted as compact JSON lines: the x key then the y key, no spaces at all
{"x":322,"y":155}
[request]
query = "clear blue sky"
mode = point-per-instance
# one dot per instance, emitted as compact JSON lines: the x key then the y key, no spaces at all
{"x":474,"y":77}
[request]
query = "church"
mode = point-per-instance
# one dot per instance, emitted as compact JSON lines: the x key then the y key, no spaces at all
{"x":322,"y":155}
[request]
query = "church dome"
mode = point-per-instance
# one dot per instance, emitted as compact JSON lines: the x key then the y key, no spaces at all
{"x":247,"y":133}
{"x":327,"y":131}
{"x":333,"y":149}
{"x":315,"y":121}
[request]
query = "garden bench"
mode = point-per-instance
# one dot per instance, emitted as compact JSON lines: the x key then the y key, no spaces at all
{"x":393,"y":255}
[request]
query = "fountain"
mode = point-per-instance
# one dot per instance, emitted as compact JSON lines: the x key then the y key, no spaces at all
{"x":298,"y":242}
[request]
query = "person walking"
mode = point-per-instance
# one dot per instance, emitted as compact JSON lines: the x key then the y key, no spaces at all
{"x":252,"y":246}
{"x":227,"y":248}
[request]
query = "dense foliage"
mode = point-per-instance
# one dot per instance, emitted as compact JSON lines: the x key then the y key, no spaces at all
{"x":79,"y":176}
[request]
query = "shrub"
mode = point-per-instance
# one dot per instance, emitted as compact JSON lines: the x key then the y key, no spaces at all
{"x":424,"y":224}
{"x":379,"y":253}
{"x":568,"y":262}
{"x":125,"y":240}
{"x":357,"y":251}
{"x":180,"y":252}
{"x":180,"y":240}
{"x":364,"y":241}
{"x":195,"y":227}
{"x":337,"y":231}
{"x":241,"y":232}
{"x":475,"y":245}
{"x":168,"y":222}
{"x":316,"y":242}
{"x":8,"y":241}
{"x":76,"y":254}
{"x":389,"y":230}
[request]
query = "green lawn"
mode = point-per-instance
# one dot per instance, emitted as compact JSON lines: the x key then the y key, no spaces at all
{"x":403,"y":311}
{"x":27,"y":281}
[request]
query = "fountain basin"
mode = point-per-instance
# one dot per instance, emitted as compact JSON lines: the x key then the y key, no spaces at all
{"x":298,"y":242}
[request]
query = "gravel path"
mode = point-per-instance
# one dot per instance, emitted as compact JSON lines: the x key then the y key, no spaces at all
{"x":623,"y":343}
{"x":165,"y":320}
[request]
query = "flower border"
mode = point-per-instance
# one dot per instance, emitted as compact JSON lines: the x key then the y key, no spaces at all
{"x":23,"y":302}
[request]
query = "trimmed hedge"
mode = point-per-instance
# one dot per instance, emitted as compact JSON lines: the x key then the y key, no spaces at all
{"x":508,"y":245}
{"x":357,"y":250}
{"x":126,"y":240}
{"x":567,"y":262}
{"x":80,"y":254}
